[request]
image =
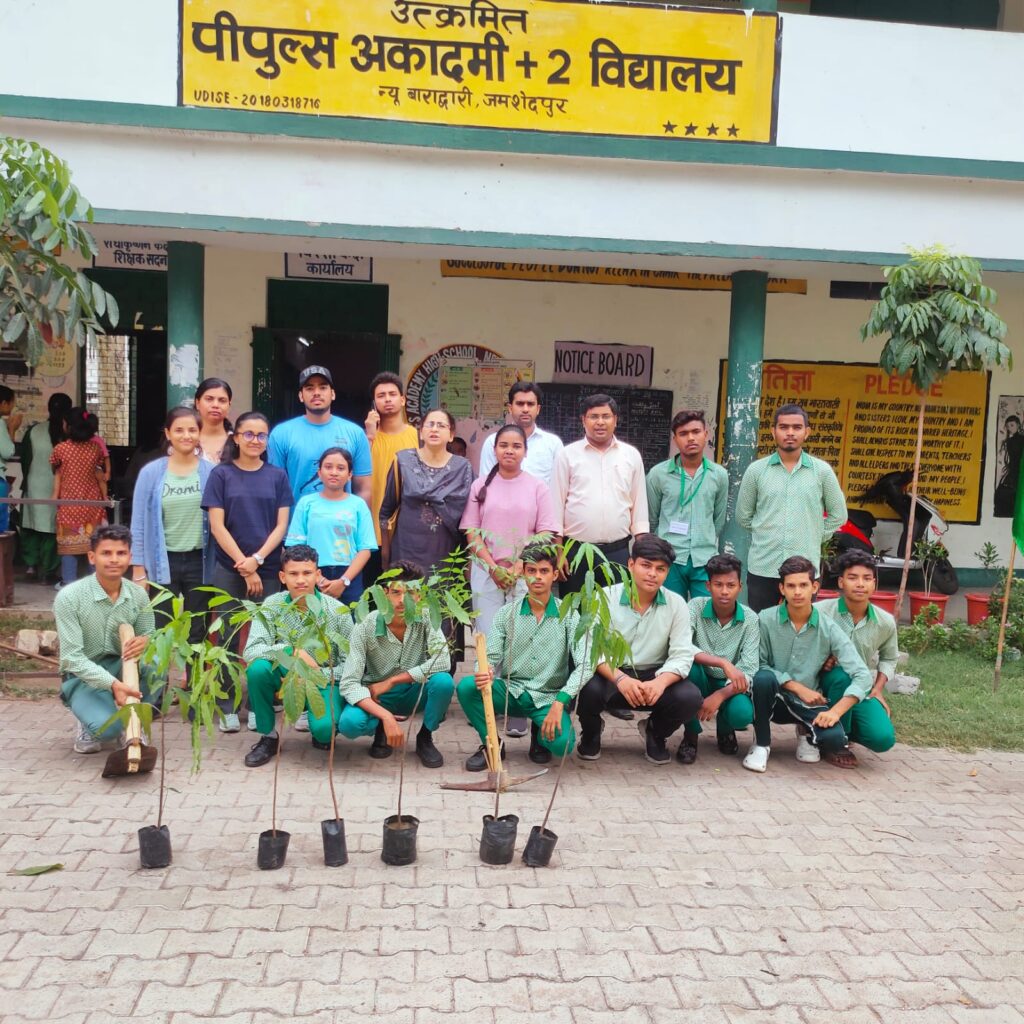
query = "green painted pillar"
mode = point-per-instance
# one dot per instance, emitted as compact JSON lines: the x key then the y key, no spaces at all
{"x":185,"y":274}
{"x":762,"y":5}
{"x":743,"y":391}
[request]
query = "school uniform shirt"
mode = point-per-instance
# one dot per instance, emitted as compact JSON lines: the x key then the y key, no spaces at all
{"x":600,"y":496}
{"x":738,"y":641}
{"x":659,"y":638}
{"x":688,"y":512}
{"x":874,"y":636}
{"x":297,"y":444}
{"x":800,"y":655}
{"x":336,"y":530}
{"x":542,"y":447}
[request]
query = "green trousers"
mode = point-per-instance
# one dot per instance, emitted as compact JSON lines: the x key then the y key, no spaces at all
{"x":735,"y":715}
{"x":522,"y":706}
{"x":264,"y":680}
{"x":40,"y":550}
{"x":687,"y":580}
{"x":866,"y":722}
{"x":399,"y":700}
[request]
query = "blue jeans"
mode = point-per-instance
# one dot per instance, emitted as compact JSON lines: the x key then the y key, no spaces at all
{"x":5,"y":510}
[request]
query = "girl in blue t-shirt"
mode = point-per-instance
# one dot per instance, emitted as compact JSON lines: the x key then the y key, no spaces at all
{"x":337,"y":525}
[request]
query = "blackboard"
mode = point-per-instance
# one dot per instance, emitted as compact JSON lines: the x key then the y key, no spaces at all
{"x":645,"y":416}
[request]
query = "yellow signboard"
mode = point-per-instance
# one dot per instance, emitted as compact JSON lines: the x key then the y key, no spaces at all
{"x":571,"y":274}
{"x":535,"y":65}
{"x":864,"y":424}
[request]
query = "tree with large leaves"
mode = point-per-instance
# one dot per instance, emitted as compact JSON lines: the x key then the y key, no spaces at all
{"x":42,"y":218}
{"x":938,"y":316}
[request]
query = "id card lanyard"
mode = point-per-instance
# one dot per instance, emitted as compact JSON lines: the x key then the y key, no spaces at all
{"x":683,"y":502}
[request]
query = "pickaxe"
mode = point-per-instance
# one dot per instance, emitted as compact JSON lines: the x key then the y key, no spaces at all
{"x":498,"y":780}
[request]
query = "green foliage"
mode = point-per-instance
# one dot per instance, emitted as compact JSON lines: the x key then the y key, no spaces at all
{"x":929,"y":553}
{"x":989,"y":557}
{"x":995,"y":600}
{"x":40,"y":209}
{"x":937,"y":314}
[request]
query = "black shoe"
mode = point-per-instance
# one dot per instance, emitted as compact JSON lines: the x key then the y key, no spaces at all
{"x":318,"y":745}
{"x":478,"y":762}
{"x":379,"y":748}
{"x":655,"y":750}
{"x":727,"y":743}
{"x":429,"y":755}
{"x":261,"y":752}
{"x":687,"y":752}
{"x":538,"y":754}
{"x":624,"y":713}
{"x":589,"y":748}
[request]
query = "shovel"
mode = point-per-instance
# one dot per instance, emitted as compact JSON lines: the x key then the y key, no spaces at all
{"x":135,"y":757}
{"x":497,"y":781}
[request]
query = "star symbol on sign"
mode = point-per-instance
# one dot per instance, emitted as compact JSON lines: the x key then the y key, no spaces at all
{"x":712,"y":129}
{"x":691,"y":129}
{"x":670,"y":128}
{"x":733,"y":131}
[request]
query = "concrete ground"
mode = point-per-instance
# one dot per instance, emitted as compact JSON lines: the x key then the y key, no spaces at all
{"x":705,"y":894}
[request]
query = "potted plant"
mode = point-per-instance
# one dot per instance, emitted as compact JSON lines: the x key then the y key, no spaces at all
{"x":827,"y":574}
{"x":938,"y":316}
{"x":929,"y":553}
{"x":978,"y":602}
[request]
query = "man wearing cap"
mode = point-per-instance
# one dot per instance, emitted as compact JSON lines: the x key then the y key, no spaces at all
{"x":297,"y":444}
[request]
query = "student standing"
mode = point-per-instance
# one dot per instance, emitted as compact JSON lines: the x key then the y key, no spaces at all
{"x":524,"y":405}
{"x":248,"y":501}
{"x":297,"y":444}
{"x":338,"y":526}
{"x":873,"y":632}
{"x":687,"y":496}
{"x":170,"y":530}
{"x":796,"y":641}
{"x":598,"y":488}
{"x":213,"y":403}
{"x":39,"y":522}
{"x":790,"y":502}
{"x":426,"y":493}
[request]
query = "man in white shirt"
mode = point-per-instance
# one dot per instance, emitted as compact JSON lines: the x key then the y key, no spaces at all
{"x":524,"y":401}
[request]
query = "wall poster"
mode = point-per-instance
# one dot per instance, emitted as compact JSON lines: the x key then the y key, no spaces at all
{"x":864,"y":425}
{"x":1009,"y":449}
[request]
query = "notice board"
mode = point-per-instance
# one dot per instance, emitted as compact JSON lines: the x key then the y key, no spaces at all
{"x":864,"y":424}
{"x":645,"y":416}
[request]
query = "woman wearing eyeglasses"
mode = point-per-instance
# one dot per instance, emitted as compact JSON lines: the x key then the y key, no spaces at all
{"x":248,"y":502}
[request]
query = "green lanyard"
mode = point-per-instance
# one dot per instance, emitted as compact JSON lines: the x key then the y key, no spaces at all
{"x":682,"y":483}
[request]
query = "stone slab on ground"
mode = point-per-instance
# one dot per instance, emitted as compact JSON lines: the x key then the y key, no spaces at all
{"x":894,"y":893}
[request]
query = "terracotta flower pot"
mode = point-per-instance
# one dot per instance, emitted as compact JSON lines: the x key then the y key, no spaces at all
{"x":918,"y":600}
{"x":977,"y":608}
{"x":885,"y":599}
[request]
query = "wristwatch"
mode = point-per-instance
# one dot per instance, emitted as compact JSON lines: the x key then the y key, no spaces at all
{"x":346,"y":582}
{"x":259,"y":559}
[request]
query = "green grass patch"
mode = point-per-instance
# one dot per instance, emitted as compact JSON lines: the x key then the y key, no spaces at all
{"x":955,"y":706}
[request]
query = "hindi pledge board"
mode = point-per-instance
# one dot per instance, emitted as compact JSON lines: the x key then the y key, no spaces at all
{"x":864,"y":424}
{"x":564,"y":66}
{"x":645,"y":416}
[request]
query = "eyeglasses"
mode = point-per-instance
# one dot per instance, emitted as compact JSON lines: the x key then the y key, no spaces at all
{"x":248,"y":435}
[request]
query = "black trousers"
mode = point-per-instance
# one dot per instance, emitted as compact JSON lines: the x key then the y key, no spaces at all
{"x":186,"y":575}
{"x":762,"y":592}
{"x":773,"y":704}
{"x":678,"y":704}
{"x":616,"y":551}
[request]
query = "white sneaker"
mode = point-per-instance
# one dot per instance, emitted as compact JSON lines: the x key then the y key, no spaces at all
{"x":757,"y":758}
{"x":806,"y":751}
{"x":85,"y":742}
{"x":251,"y":723}
{"x":229,"y":723}
{"x":302,"y":722}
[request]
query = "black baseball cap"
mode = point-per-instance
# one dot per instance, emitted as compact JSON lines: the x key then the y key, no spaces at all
{"x":315,"y":371}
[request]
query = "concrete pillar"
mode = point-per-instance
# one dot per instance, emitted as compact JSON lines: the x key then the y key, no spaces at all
{"x":185,"y":277}
{"x":762,"y":5}
{"x":743,"y":391}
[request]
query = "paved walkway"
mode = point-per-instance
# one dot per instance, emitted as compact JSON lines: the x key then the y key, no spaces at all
{"x":707,"y":894}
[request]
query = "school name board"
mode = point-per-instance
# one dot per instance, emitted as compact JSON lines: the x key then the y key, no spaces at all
{"x":567,"y":273}
{"x":612,"y":69}
{"x":578,"y":362}
{"x":864,"y":424}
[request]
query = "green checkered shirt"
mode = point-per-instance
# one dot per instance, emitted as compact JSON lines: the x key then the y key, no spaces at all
{"x":788,"y":513}
{"x":800,"y":655}
{"x":375,"y":653}
{"x":87,"y":622}
{"x":538,"y":662}
{"x":874,"y":636}
{"x":738,"y":641}
{"x":705,"y":497}
{"x":282,"y":622}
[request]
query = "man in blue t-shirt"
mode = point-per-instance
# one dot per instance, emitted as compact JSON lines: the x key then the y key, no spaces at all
{"x":297,"y":444}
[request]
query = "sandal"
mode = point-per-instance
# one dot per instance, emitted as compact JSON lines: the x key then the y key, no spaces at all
{"x":727,"y":743}
{"x":844,"y":758}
